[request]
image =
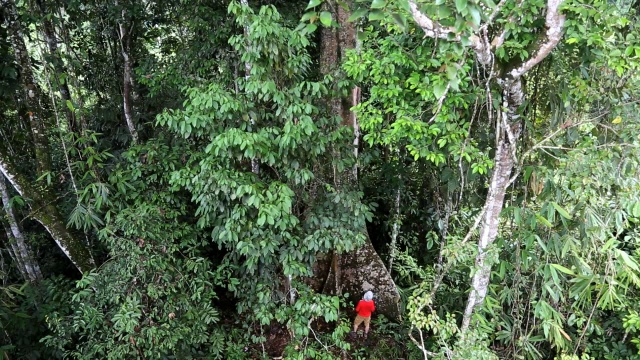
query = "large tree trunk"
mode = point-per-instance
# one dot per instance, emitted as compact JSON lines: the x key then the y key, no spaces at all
{"x":23,"y":255}
{"x":361,"y":269}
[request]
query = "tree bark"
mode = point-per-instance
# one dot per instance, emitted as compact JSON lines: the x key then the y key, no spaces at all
{"x":21,"y":249}
{"x":13,"y":251}
{"x":395,"y":230}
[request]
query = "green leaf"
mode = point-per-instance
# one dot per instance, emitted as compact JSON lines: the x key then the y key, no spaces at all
{"x":307,"y":16}
{"x":378,"y":4}
{"x":376,"y":15}
{"x":544,"y":221}
{"x":438,"y":90}
{"x":461,"y":5}
{"x":631,"y":263}
{"x":311,"y":28}
{"x":325,"y":18}
{"x":400,"y":20}
{"x":561,"y":211}
{"x":563,"y":269}
{"x":313,"y":3}
{"x":475,"y":15}
{"x":358,"y":14}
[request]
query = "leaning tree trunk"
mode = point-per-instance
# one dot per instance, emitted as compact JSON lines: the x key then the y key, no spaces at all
{"x":22,"y":252}
{"x":361,"y":269}
{"x":509,"y":80}
{"x":45,"y":212}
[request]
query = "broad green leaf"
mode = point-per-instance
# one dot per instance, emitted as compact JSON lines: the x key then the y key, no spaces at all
{"x":438,"y":90}
{"x":358,"y":14}
{"x":311,"y":28}
{"x":475,"y":15}
{"x":313,"y":3}
{"x":309,"y":15}
{"x":378,"y":4}
{"x":461,"y":5}
{"x":325,"y":18}
{"x":631,"y":263}
{"x":376,"y":15}
{"x":544,"y":221}
{"x":400,"y":20}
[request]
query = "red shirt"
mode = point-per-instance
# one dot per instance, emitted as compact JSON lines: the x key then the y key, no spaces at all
{"x":365,"y":308}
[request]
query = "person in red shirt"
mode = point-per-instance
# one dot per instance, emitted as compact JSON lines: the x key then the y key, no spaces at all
{"x":364,"y":309}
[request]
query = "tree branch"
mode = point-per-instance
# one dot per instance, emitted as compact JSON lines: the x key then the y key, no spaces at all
{"x":554,"y":22}
{"x":431,"y":28}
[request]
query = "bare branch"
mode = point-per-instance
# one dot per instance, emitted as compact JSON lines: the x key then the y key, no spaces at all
{"x":434,"y":30}
{"x":431,"y":28}
{"x":554,"y":22}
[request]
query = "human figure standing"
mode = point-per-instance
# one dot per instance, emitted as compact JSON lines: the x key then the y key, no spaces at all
{"x":364,"y":309}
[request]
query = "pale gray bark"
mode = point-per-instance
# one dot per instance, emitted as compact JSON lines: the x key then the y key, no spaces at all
{"x":255,"y":166}
{"x":508,"y":127}
{"x":395,"y":231}
{"x":127,"y":85}
{"x":21,"y":249}
{"x":13,"y":251}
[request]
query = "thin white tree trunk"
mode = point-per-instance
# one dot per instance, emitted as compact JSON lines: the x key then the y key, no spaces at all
{"x":489,"y":228}
{"x":14,"y":253}
{"x":507,"y":129}
{"x":21,"y":249}
{"x":395,"y":231}
{"x":255,"y":166}
{"x":127,"y":86}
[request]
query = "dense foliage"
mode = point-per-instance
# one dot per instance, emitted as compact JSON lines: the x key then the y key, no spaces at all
{"x":221,"y":179}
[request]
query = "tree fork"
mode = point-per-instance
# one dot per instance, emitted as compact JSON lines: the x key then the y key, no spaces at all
{"x":508,"y":126}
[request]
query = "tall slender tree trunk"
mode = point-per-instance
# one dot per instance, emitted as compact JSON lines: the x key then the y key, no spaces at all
{"x":61,"y":74}
{"x":509,"y":79}
{"x":21,"y":249}
{"x":395,"y":231}
{"x":503,"y":166}
{"x":13,"y":251}
{"x":125,"y":27}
